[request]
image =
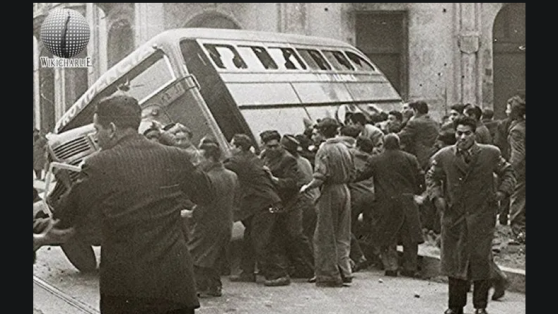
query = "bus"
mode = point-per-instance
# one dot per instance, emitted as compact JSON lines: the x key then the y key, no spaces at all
{"x":222,"y":82}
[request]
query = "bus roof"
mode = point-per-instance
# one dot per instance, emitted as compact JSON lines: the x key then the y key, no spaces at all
{"x":233,"y":34}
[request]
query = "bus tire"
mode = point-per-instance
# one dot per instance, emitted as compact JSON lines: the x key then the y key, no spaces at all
{"x":80,"y":254}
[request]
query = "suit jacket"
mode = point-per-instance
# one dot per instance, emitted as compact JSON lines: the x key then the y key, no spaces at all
{"x":134,"y":190}
{"x":211,"y":227}
{"x":482,"y":134}
{"x":285,"y":168}
{"x":470,"y":217}
{"x":418,"y":138}
{"x":256,"y":189}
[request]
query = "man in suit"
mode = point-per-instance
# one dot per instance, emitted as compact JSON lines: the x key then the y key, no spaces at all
{"x":374,"y":133}
{"x":132,"y":188}
{"x":516,"y":139}
{"x":258,"y":198}
{"x":397,"y":179}
{"x":286,"y":176}
{"x":461,"y":184}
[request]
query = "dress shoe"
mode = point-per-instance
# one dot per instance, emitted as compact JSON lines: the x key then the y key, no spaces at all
{"x":243,"y":277}
{"x":454,"y":311}
{"x":390,"y":273}
{"x":281,"y":281}
{"x":481,"y":311}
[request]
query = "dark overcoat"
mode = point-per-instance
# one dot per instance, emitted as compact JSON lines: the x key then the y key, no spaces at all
{"x":418,"y":138}
{"x":470,"y":217}
{"x":396,"y":180}
{"x":134,"y":190}
{"x":257,"y":192}
{"x":211,"y":227}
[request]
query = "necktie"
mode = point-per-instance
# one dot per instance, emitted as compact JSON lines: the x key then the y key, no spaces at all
{"x":466,"y":155}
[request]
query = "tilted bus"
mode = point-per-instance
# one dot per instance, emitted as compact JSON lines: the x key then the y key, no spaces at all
{"x":222,"y":82}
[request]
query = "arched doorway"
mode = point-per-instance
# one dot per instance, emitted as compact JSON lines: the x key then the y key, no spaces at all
{"x":213,"y":20}
{"x":509,"y":55}
{"x":120,"y":41}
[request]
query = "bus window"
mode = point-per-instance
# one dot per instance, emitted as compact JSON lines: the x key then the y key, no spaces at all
{"x":361,"y":64}
{"x":257,"y":57}
{"x":150,"y":80}
{"x":286,"y":58}
{"x":314,"y":59}
{"x":338,"y":60}
{"x":225,"y":56}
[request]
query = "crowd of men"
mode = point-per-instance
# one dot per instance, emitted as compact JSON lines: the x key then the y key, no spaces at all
{"x":321,"y":205}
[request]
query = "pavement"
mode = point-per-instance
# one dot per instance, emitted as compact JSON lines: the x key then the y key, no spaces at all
{"x":59,"y":289}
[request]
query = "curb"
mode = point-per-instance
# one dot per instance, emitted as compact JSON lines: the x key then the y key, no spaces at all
{"x":430,"y":267}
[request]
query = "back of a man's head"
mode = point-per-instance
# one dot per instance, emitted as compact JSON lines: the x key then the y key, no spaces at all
{"x":420,"y":106}
{"x":350,"y":130}
{"x":365,"y":144}
{"x":242,"y":141}
{"x":122,"y":110}
{"x":487,"y":114}
{"x":358,"y":117}
{"x":475,"y":112}
{"x":328,"y":127}
{"x":391,"y":141}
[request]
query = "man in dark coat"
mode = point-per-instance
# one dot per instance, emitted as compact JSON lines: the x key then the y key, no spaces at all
{"x":516,"y":139}
{"x":461,"y":184}
{"x":258,"y":198}
{"x":419,"y":134}
{"x":132,"y":187}
{"x":397,"y":179}
{"x":211,"y":227}
{"x":285,"y":174}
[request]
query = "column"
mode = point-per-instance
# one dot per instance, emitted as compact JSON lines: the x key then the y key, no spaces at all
{"x":59,"y":92}
{"x":292,"y":18}
{"x":97,"y":47}
{"x":468,"y":41}
{"x":148,"y":20}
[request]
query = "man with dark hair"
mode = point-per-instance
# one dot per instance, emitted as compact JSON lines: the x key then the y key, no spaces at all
{"x":258,"y":198}
{"x":516,"y":139}
{"x":211,"y":227}
{"x":366,"y":129}
{"x":283,"y":170}
{"x":420,"y":133}
{"x":394,"y":121}
{"x":461,"y":184}
{"x":482,"y":134}
{"x":397,"y":179}
{"x":145,"y":263}
{"x":332,"y":239}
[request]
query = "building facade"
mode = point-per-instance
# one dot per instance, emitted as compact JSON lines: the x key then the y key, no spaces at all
{"x":443,"y":53}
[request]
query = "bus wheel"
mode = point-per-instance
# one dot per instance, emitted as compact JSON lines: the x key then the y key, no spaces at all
{"x":80,"y":254}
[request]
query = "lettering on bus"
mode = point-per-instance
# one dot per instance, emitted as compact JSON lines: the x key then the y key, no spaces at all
{"x":336,"y":77}
{"x":103,"y":82}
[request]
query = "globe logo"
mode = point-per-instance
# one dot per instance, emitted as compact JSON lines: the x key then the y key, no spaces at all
{"x":65,"y":32}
